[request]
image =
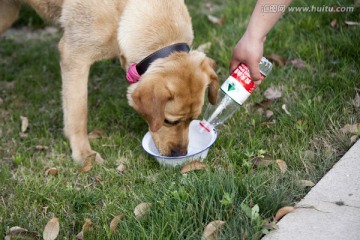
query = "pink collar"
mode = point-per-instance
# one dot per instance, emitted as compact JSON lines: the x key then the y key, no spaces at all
{"x":132,"y":74}
{"x":135,"y":71}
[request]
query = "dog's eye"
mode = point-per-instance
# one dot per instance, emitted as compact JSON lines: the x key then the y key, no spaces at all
{"x":172,"y":123}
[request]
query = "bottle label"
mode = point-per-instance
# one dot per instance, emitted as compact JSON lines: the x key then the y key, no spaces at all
{"x":239,"y":84}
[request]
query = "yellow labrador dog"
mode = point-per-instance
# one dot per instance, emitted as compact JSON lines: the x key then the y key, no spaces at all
{"x":151,"y":38}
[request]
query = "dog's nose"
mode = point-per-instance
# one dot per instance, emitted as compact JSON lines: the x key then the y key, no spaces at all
{"x":178,"y":151}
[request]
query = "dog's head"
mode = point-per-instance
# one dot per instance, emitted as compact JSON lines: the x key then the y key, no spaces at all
{"x":170,"y":94}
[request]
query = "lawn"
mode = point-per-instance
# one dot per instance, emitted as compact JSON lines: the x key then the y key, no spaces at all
{"x":244,"y":183}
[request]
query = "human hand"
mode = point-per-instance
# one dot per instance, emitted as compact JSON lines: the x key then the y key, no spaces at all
{"x":249,"y":50}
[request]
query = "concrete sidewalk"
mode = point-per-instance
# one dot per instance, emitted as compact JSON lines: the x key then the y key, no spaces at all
{"x":336,"y":198}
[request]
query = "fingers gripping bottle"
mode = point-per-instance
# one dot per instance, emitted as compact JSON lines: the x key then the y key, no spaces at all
{"x":232,"y":94}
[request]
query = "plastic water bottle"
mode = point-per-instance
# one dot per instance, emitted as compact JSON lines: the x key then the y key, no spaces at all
{"x":232,"y":94}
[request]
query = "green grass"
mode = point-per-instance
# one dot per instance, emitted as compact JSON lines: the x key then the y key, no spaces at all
{"x":309,"y":141}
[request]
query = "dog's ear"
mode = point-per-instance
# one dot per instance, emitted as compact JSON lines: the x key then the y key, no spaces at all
{"x":149,"y":100}
{"x":208,"y":66}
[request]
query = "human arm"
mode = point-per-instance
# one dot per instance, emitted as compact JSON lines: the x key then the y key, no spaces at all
{"x":250,"y":47}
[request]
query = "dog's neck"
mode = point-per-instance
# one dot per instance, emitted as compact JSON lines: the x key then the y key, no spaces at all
{"x":135,"y":71}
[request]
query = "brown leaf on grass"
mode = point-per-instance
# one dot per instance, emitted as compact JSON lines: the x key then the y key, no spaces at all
{"x":142,"y":209}
{"x":115,"y":222}
{"x":306,"y":183}
{"x":41,"y":148}
{"x":52,"y":229}
{"x":80,"y":236}
{"x":98,"y":179}
{"x":277,"y":59}
{"x":354,"y":138}
{"x":20,"y":233}
{"x":212,"y":229}
{"x":270,"y":225}
{"x":24,"y":124}
{"x":88,"y":163}
{"x":194,"y":165}
{"x":205,"y":47}
{"x":262,"y":162}
{"x":51,"y":171}
{"x":333,"y":23}
{"x":268,"y":123}
{"x":273,"y":93}
{"x":298,"y":63}
{"x":269,"y":114}
{"x":121,"y":168}
{"x":95,"y":134}
{"x":352,"y":23}
{"x":282,"y":165}
{"x":7,"y":85}
{"x":351,"y":128}
{"x":216,"y":20}
{"x":264,"y":104}
{"x":87,"y":225}
{"x":356,"y":100}
{"x":283,"y":211}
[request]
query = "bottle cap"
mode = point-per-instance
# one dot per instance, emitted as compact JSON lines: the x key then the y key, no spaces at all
{"x":265,"y":66}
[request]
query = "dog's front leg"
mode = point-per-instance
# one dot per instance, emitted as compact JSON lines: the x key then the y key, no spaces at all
{"x":75,"y":68}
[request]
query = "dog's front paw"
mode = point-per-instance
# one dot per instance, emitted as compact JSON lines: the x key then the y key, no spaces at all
{"x":80,"y":159}
{"x":98,"y":158}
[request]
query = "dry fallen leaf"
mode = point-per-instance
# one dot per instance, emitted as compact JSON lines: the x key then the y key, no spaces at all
{"x":264,"y":104}
{"x":121,"y":168}
{"x":282,"y":165}
{"x":283,"y":107}
{"x":7,"y":85}
{"x":51,"y":171}
{"x":269,"y":114}
{"x":98,"y":179}
{"x":24,"y":124}
{"x":306,"y":183}
{"x":97,"y":133}
{"x":354,"y":138}
{"x":276,"y":58}
{"x":271,"y":225}
{"x":51,"y":230}
{"x":268,"y":123}
{"x":88,"y":163}
{"x":333,"y":23}
{"x":351,"y":23}
{"x":298,"y":63}
{"x":20,"y":233}
{"x":205,"y":47}
{"x":262,"y":162}
{"x":41,"y":148}
{"x":356,"y":100}
{"x":351,"y":128}
{"x":87,"y":225}
{"x":142,"y":209}
{"x":115,"y":222}
{"x":273,"y":93}
{"x":194,"y":165}
{"x":216,"y":20}
{"x":212,"y":229}
{"x":283,"y":211}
